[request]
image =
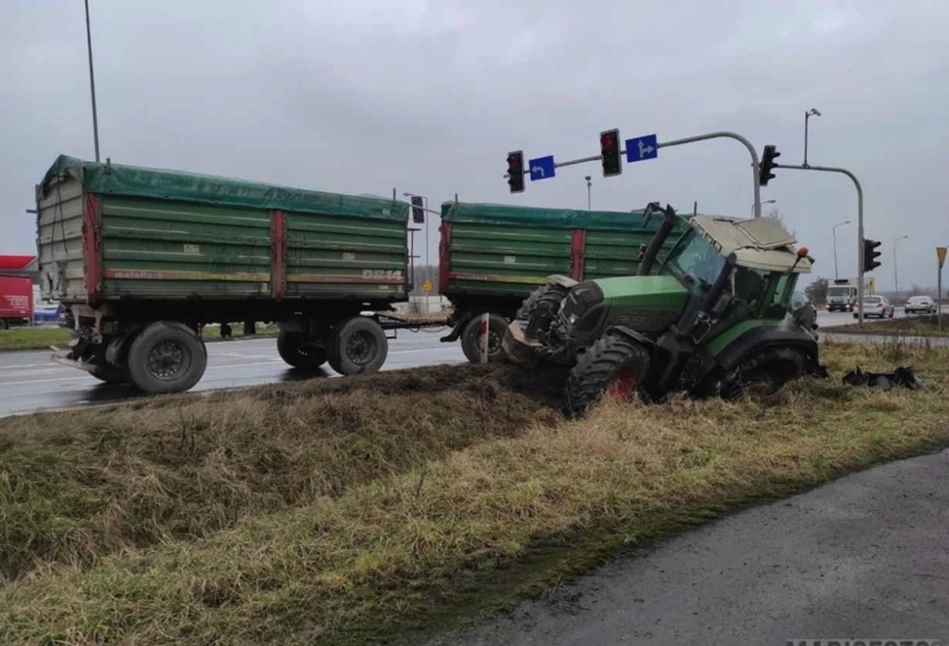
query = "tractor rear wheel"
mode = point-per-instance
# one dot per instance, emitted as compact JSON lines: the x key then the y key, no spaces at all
{"x":764,"y":372}
{"x":615,"y":363}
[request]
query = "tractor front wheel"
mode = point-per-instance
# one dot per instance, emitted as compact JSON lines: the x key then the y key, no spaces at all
{"x":615,"y":363}
{"x":548,"y":295}
{"x":764,"y":372}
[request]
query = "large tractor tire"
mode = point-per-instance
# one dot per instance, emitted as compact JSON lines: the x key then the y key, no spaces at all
{"x":615,"y":363}
{"x":472,"y":339}
{"x":764,"y":372}
{"x":548,"y":295}
{"x":166,"y":357}
{"x":299,"y":352}
{"x":357,"y":345}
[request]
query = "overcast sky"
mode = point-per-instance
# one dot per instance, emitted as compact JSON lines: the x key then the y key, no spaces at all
{"x":429,"y":96}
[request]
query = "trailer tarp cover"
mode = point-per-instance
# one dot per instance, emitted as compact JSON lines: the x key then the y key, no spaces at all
{"x":135,"y":181}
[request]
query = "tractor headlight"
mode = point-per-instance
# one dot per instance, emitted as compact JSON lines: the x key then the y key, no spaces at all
{"x":583,"y":307}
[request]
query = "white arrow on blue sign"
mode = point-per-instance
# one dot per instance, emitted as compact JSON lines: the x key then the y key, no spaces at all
{"x":642,"y":148}
{"x":542,"y":168}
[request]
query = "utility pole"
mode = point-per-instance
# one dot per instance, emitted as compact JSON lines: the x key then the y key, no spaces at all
{"x":589,"y":186}
{"x":834,"y":229}
{"x":896,"y":275}
{"x":92,"y":84}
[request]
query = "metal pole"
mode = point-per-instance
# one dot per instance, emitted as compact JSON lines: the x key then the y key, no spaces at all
{"x":736,"y":137}
{"x":426,"y":236}
{"x":589,"y":186}
{"x":688,"y":140}
{"x":896,"y":276}
{"x":860,"y":259}
{"x":92,"y":84}
{"x":836,"y":273}
{"x":807,"y":115}
{"x":939,"y":296}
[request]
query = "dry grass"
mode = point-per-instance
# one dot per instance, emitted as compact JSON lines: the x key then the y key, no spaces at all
{"x":906,"y":326}
{"x":478,"y":523}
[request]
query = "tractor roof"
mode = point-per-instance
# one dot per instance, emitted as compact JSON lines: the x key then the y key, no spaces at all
{"x":761,"y":243}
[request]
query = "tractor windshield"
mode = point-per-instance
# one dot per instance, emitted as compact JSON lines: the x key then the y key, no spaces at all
{"x":695,"y":261}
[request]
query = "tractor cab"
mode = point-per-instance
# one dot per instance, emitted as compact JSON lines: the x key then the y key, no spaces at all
{"x":720,"y":295}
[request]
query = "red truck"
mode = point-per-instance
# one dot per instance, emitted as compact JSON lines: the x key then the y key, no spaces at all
{"x":16,"y":301}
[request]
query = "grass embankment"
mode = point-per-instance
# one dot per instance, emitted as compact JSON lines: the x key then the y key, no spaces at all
{"x":41,"y":337}
{"x":342,"y":511}
{"x":907,"y":326}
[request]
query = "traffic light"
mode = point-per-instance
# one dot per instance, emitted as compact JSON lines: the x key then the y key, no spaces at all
{"x":515,"y":171}
{"x":609,"y":151}
{"x":418,"y":215}
{"x":870,"y":255}
{"x":765,"y":173}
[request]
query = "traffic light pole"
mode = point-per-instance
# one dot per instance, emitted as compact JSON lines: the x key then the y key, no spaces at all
{"x":860,"y":258}
{"x":689,"y":140}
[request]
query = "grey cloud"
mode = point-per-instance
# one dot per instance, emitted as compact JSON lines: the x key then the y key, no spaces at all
{"x":428,"y":96}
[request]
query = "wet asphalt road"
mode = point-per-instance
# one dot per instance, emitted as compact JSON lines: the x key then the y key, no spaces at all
{"x":29,"y":381}
{"x":864,"y":557}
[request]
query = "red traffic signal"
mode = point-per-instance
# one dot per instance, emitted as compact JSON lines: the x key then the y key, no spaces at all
{"x":610,"y":153}
{"x":515,"y":171}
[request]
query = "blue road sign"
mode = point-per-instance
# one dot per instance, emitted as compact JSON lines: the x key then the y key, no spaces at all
{"x":542,"y":168}
{"x":642,"y":148}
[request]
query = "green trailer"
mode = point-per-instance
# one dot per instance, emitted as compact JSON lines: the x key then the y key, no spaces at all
{"x":492,"y":256}
{"x":144,"y":258}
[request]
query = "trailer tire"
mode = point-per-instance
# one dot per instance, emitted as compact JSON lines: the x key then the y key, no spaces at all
{"x":357,"y":345}
{"x":615,"y":361}
{"x":166,"y":357}
{"x":109,"y":374}
{"x":297,"y":352}
{"x":471,"y":339}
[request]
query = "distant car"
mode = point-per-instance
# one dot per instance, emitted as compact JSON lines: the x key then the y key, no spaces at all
{"x":920,"y":305}
{"x":878,"y":306}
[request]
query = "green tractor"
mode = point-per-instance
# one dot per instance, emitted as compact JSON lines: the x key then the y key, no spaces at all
{"x":711,"y":318}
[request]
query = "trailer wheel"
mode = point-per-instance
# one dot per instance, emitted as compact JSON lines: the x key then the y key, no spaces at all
{"x":167,"y":357}
{"x":109,"y":374}
{"x":471,"y":339}
{"x":357,"y":345}
{"x":298,"y":352}
{"x":614,"y":363}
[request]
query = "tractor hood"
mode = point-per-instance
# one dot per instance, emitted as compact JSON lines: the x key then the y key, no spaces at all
{"x":643,"y":303}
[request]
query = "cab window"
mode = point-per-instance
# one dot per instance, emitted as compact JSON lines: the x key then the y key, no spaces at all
{"x":695,"y":261}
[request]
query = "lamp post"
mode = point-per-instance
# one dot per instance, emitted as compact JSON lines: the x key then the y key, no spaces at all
{"x":92,"y":84}
{"x":813,"y":112}
{"x":896,"y":275}
{"x":589,"y":186}
{"x":834,"y":229}
{"x":762,"y":204}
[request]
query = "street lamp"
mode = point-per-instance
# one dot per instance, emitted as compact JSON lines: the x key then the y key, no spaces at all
{"x":92,"y":84}
{"x":896,"y":275}
{"x":839,"y":224}
{"x":762,"y":204}
{"x":813,"y":112}
{"x":589,"y":186}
